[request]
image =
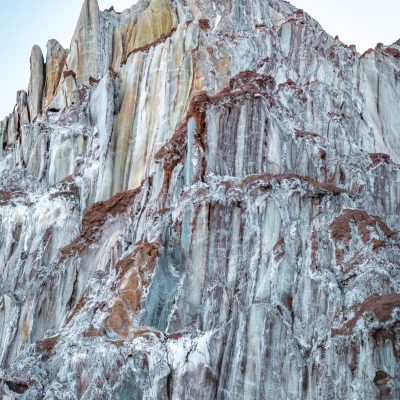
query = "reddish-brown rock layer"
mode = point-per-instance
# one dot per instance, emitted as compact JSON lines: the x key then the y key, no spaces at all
{"x":95,"y":218}
{"x":341,"y":231}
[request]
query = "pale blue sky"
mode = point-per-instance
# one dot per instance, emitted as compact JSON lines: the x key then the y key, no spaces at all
{"x":28,"y":22}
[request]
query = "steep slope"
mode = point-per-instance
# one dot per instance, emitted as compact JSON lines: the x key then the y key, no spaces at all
{"x":200,"y":200}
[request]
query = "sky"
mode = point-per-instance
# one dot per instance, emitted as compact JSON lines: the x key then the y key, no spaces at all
{"x":28,"y":22}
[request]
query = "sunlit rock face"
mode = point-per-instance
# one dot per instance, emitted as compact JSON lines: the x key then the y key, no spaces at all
{"x":55,"y":62}
{"x":200,"y":200}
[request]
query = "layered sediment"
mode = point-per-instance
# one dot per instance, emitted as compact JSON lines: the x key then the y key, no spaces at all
{"x":200,"y":200}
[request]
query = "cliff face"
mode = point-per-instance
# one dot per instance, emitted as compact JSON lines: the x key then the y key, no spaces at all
{"x":200,"y":200}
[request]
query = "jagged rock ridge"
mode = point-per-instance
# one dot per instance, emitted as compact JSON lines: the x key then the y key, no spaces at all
{"x":200,"y":200}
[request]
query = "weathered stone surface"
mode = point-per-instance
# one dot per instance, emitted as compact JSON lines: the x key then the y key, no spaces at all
{"x":36,"y":82}
{"x":157,"y":20}
{"x":88,"y":56}
{"x":55,"y":62}
{"x":207,"y":208}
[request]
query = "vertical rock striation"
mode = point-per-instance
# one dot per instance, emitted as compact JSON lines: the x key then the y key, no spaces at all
{"x":200,"y":200}
{"x":36,"y":82}
{"x":55,"y":62}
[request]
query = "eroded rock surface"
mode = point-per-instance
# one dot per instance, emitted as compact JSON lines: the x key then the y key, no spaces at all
{"x":200,"y":200}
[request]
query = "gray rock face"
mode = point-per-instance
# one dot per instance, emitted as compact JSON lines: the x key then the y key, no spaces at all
{"x":204,"y":206}
{"x":36,"y":82}
{"x":85,"y":55}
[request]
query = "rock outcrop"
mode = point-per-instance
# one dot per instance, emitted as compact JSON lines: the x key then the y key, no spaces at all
{"x":55,"y":62}
{"x":36,"y":82}
{"x":200,"y":200}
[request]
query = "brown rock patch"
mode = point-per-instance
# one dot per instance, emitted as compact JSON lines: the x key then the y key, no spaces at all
{"x":17,"y":386}
{"x":93,"y":81}
{"x":95,"y":218}
{"x":392,"y":52}
{"x":279,"y":250}
{"x":94,"y":332}
{"x":306,"y":135}
{"x":380,"y":306}
{"x":204,"y":24}
{"x":378,"y":158}
{"x":68,"y":73}
{"x":112,"y":9}
{"x":135,"y":276}
{"x":7,"y":197}
{"x":341,"y":229}
{"x":46,"y":346}
{"x":328,"y":187}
